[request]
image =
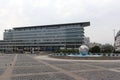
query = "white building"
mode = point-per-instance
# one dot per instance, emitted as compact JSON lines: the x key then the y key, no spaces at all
{"x":117,"y":41}
{"x":94,"y":44}
{"x":86,"y":41}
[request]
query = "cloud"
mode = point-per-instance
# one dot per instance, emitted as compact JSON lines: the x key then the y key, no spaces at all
{"x":103,"y":15}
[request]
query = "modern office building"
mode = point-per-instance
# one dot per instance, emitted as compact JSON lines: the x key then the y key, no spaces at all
{"x":45,"y":37}
{"x":6,"y":46}
{"x":117,"y":41}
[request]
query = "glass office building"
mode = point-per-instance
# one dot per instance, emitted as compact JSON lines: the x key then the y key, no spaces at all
{"x":47,"y":37}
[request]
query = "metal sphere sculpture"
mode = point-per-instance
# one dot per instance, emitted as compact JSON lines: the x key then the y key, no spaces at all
{"x":83,"y":50}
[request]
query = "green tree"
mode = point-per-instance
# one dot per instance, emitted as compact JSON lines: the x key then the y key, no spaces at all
{"x":67,"y":51}
{"x":107,"y":48}
{"x":95,"y":49}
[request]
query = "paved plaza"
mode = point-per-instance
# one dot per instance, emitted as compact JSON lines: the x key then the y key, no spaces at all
{"x":32,"y":67}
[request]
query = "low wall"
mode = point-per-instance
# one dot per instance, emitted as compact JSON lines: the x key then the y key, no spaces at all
{"x":86,"y":58}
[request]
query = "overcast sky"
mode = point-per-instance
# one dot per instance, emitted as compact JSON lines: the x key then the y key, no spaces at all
{"x":104,"y":15}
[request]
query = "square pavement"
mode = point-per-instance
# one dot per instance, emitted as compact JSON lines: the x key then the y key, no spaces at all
{"x":26,"y":67}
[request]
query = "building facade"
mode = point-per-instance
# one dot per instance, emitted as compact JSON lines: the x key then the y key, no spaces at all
{"x":46,"y":37}
{"x":87,"y":41}
{"x":117,"y":41}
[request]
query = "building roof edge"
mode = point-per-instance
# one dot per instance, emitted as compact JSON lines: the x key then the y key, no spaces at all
{"x":84,"y":24}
